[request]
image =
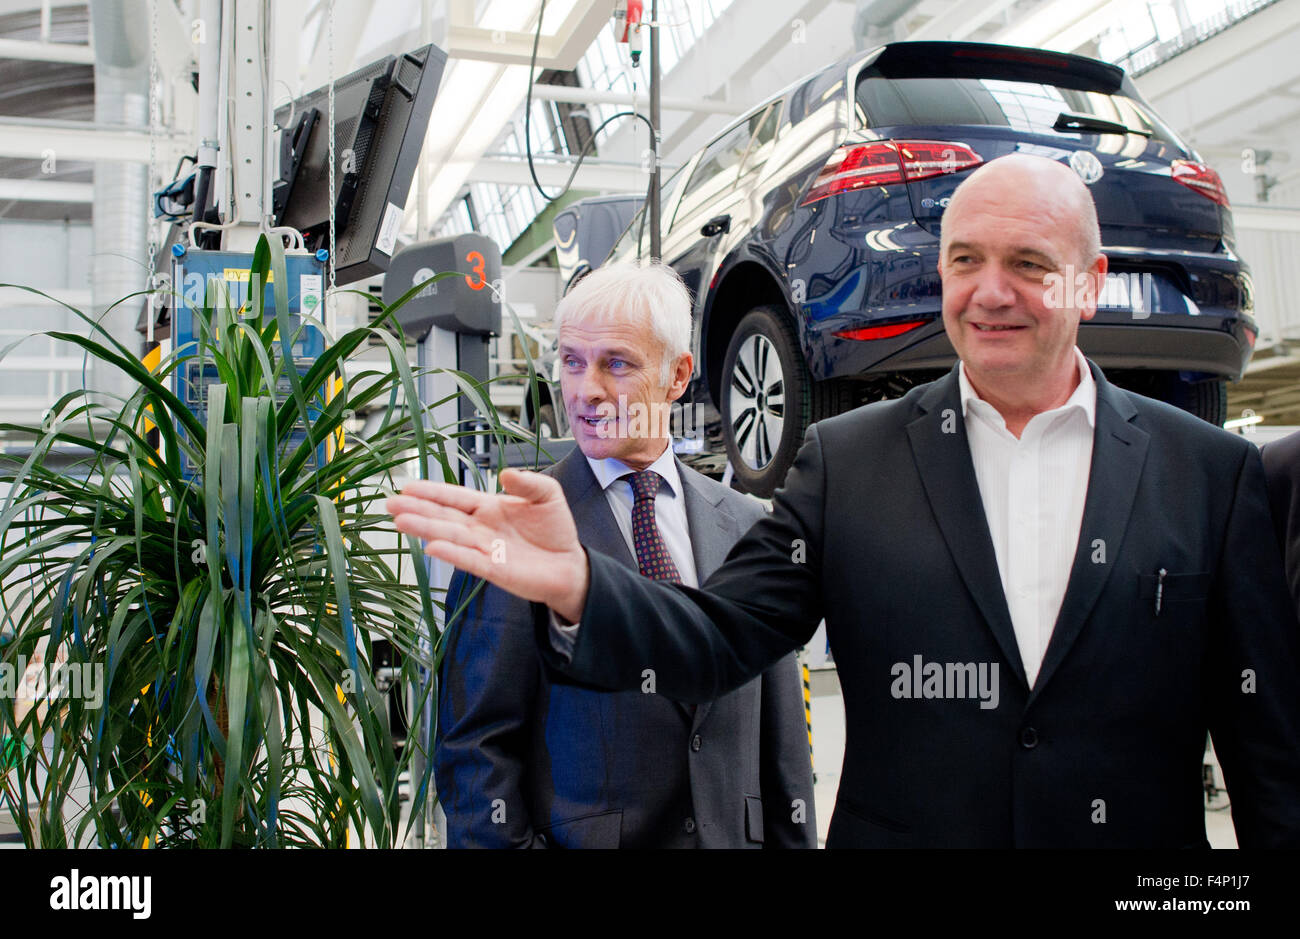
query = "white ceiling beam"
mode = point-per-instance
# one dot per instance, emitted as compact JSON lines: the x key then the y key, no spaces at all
{"x":959,"y":21}
{"x":477,"y":98}
{"x":505,"y":48}
{"x":1058,"y":24}
{"x":579,"y":31}
{"x":1234,"y":87}
{"x":1269,"y":124}
{"x":13,"y":297}
{"x":1241,"y":41}
{"x":571,"y":95}
{"x":43,"y":363}
{"x":25,"y":409}
{"x":67,"y":52}
{"x":601,"y":177}
{"x":560,"y":49}
{"x":27,"y":6}
{"x":1214,"y":82}
{"x":23,"y":138}
{"x":51,"y":190}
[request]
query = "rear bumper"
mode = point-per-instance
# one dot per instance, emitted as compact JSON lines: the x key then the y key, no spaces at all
{"x":1217,"y":346}
{"x":1219,"y":352}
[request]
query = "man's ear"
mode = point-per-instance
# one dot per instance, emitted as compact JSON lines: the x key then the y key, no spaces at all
{"x":680,"y":377}
{"x":1096,"y":273}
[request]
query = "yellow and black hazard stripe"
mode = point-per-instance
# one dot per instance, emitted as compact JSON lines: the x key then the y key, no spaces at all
{"x":807,"y":712}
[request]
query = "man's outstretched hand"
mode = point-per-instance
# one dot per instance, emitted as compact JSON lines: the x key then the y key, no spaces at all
{"x":522,"y":540}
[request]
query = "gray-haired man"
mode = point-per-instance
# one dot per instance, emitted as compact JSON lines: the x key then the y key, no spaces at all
{"x":524,"y":758}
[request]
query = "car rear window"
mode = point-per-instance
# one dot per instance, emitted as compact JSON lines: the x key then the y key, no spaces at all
{"x":815,"y":93}
{"x":1031,"y":107}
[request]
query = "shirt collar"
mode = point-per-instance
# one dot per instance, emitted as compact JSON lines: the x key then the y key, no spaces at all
{"x":610,"y":470}
{"x":1084,"y":397}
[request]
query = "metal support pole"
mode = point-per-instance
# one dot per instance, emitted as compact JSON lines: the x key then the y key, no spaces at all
{"x":437,"y":349}
{"x":210,"y":104}
{"x":656,"y":252}
{"x":424,"y":745}
{"x":250,"y":115}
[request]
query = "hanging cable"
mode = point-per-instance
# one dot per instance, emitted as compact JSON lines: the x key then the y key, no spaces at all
{"x":236,"y":219}
{"x":528,"y":116}
{"x":293,"y":107}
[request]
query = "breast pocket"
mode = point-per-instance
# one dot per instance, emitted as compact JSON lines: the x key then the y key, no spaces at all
{"x":1174,"y":588}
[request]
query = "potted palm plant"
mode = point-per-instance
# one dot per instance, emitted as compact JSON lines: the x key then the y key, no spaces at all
{"x":220,"y":621}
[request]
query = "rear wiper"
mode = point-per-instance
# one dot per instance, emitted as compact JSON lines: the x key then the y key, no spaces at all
{"x":1077,"y":123}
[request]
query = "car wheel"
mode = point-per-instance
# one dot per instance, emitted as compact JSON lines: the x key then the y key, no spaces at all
{"x":547,"y":425}
{"x":1207,"y":399}
{"x":768,"y":399}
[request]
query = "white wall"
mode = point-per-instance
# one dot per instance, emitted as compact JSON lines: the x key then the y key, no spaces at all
{"x":54,"y":257}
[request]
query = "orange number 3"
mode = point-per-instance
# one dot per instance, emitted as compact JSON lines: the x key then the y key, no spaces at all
{"x":476,"y":259}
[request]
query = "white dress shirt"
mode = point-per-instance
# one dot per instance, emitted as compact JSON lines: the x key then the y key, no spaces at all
{"x":670,"y":517}
{"x":1033,"y":490}
{"x":670,"y":508}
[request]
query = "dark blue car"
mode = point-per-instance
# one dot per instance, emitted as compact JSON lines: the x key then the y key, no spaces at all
{"x":808,"y":232}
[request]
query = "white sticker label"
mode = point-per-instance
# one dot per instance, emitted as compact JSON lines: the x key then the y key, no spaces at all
{"x":387,"y":239}
{"x":309,"y":289}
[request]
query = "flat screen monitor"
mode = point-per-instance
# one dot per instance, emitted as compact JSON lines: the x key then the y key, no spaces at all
{"x":381,"y":118}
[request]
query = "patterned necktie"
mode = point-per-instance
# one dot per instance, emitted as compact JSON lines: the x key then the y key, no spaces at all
{"x":651,"y":553}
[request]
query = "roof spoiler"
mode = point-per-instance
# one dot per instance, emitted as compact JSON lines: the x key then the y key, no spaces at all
{"x":989,"y":60}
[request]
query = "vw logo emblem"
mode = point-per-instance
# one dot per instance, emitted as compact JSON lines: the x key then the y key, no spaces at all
{"x":1086,"y":165}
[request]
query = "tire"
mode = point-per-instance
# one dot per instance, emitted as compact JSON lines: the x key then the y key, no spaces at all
{"x":547,"y":425}
{"x":764,"y":420}
{"x":1206,"y":399}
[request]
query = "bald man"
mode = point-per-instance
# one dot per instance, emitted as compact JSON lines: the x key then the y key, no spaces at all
{"x":1040,"y":590}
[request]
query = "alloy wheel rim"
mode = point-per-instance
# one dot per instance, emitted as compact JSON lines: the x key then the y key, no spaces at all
{"x":757,"y":400}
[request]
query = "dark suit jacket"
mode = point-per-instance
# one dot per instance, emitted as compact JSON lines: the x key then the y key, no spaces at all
{"x":523,"y":760}
{"x":1282,"y":473}
{"x":1106,"y":749}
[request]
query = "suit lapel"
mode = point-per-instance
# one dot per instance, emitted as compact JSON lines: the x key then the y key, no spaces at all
{"x":713,"y":530}
{"x":943,"y":463}
{"x":592,"y":515}
{"x":1119,"y":451}
{"x":598,"y":529}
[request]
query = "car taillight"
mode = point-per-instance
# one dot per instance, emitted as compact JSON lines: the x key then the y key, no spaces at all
{"x":925,"y":158}
{"x":1199,"y":178}
{"x":880,"y":332}
{"x":889,"y":163}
